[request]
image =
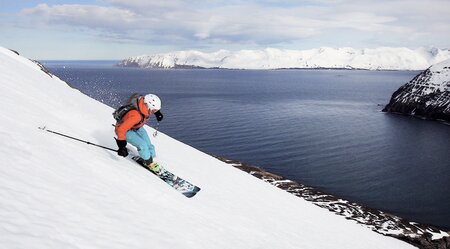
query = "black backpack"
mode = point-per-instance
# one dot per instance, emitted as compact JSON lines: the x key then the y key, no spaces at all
{"x":131,"y":104}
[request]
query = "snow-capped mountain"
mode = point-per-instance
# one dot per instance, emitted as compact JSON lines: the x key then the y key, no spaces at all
{"x":383,"y":58}
{"x":427,"y":95}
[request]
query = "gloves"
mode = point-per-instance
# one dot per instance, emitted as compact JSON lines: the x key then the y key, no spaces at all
{"x":159,"y":116}
{"x":123,"y":151}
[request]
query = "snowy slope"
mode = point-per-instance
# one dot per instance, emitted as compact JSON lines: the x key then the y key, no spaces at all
{"x":271,"y":58}
{"x":427,"y":95}
{"x":59,"y":193}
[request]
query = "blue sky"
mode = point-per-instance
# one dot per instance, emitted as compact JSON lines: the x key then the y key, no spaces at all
{"x":116,"y":29}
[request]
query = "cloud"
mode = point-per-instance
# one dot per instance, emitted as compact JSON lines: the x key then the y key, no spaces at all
{"x":139,"y":4}
{"x":264,"y":23}
{"x":89,"y":16}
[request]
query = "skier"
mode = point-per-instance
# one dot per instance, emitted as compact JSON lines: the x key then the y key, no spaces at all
{"x":130,"y":127}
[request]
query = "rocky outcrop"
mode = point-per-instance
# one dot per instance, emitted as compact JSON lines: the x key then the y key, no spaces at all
{"x":426,"y":96}
{"x":420,"y":235}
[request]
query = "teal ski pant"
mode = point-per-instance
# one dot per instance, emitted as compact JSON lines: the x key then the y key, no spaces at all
{"x":139,"y":139}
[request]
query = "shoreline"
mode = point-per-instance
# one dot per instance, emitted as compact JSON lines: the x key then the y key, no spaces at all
{"x":193,"y":67}
{"x":420,"y":235}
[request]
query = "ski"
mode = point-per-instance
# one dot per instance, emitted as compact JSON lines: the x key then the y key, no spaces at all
{"x":186,"y":188}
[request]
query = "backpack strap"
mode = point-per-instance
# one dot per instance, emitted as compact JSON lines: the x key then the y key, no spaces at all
{"x":133,"y":104}
{"x":139,"y":110}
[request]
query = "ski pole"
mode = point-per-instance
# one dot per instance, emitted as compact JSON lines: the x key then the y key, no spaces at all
{"x":60,"y":134}
{"x":156,"y":130}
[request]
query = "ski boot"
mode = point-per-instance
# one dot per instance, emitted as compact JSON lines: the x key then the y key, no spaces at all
{"x":149,"y":164}
{"x":154,"y":167}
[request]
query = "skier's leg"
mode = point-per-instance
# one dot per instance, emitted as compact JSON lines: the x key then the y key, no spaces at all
{"x":137,"y":141}
{"x":144,"y":136}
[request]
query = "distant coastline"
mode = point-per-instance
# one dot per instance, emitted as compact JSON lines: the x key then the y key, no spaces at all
{"x":181,"y":67}
{"x":116,"y":63}
{"x":383,"y":58}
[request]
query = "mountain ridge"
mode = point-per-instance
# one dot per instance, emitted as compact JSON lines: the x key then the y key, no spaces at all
{"x":426,"y":96}
{"x":383,"y":58}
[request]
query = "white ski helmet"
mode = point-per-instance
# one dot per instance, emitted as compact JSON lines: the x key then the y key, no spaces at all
{"x":153,"y":102}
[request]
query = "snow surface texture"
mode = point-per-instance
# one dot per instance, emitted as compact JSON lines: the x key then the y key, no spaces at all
{"x":60,"y":193}
{"x":427,"y":95}
{"x":384,"y":58}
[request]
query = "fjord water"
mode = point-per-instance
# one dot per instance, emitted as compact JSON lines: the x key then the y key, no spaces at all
{"x":322,"y":128}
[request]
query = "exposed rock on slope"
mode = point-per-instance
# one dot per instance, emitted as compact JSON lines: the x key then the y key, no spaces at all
{"x":426,"y":96}
{"x":420,"y":235}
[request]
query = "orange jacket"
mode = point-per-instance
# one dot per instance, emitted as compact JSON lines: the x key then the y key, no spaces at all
{"x":132,"y":120}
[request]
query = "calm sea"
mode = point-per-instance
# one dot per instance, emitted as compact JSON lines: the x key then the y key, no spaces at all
{"x":322,"y":128}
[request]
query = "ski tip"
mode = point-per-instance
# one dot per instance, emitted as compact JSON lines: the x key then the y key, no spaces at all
{"x":192,"y":193}
{"x":189,"y":194}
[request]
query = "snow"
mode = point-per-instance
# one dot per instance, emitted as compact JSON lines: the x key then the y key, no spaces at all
{"x":383,"y":58}
{"x":436,"y":236}
{"x":60,"y":193}
{"x":434,"y":80}
{"x":440,"y":77}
